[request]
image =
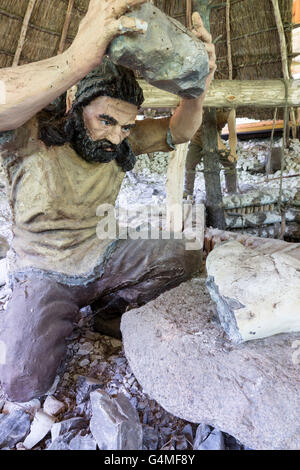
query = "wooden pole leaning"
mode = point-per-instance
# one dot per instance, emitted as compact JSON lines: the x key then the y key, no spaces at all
{"x":65,"y":27}
{"x":23,"y":33}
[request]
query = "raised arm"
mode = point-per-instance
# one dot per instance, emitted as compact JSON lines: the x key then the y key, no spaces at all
{"x":188,"y":116}
{"x":29,"y":88}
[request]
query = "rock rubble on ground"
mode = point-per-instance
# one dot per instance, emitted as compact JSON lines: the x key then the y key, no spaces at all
{"x":108,"y":371}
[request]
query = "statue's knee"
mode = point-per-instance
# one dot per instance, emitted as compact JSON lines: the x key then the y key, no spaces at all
{"x":21,"y":387}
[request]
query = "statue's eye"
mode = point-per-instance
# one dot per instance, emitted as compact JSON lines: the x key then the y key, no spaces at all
{"x":105,"y":122}
{"x":126,"y":128}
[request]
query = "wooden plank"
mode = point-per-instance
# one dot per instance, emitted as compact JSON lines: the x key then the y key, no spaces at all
{"x":232,"y":94}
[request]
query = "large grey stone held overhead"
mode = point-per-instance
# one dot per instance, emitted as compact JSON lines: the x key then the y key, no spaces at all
{"x":168,"y":56}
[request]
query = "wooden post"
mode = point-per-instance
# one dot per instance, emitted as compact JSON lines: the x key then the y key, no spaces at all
{"x":232,"y":115}
{"x":214,"y":200}
{"x":228,"y":31}
{"x":189,"y":9}
{"x":231,"y":180}
{"x":22,"y":37}
{"x":211,"y":161}
{"x":174,"y":187}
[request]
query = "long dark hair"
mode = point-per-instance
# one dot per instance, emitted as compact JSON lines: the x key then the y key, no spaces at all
{"x":52,"y":122}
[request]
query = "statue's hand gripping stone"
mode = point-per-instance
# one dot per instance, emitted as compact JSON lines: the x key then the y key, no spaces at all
{"x":104,"y":21}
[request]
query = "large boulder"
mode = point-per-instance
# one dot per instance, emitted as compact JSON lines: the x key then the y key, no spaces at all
{"x":181,"y":356}
{"x":168,"y":56}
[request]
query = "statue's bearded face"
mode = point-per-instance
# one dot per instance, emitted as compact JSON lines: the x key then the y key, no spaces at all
{"x":106,"y":123}
{"x":109,"y":119}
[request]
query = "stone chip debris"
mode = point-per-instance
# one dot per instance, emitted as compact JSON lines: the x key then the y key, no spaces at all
{"x":108,"y":371}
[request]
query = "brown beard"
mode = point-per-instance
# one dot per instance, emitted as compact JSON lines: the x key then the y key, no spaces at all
{"x":95,"y":151}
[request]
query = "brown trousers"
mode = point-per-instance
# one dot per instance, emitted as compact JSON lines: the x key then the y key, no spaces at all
{"x":41,"y":311}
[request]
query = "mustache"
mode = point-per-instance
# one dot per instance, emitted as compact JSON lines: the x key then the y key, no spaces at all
{"x":105,"y":144}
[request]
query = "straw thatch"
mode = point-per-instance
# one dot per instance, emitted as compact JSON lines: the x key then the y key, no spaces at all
{"x":254,"y":37}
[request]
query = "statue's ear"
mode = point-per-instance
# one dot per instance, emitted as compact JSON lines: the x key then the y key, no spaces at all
{"x":70,"y":97}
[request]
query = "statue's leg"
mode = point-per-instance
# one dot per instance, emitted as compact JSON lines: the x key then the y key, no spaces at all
{"x":137,"y":272}
{"x":38,"y":318}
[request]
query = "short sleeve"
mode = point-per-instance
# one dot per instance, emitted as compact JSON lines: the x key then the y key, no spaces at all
{"x":19,"y":141}
{"x":150,"y":135}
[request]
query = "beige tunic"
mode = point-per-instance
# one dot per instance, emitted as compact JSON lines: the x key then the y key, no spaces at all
{"x":54,"y":195}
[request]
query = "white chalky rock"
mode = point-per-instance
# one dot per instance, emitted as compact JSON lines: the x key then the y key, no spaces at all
{"x":30,"y":406}
{"x":84,"y":363}
{"x":40,"y":427}
{"x":52,"y":406}
{"x":257,"y":294}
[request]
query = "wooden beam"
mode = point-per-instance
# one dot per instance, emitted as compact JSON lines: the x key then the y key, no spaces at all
{"x":232,"y":94}
{"x":22,"y":37}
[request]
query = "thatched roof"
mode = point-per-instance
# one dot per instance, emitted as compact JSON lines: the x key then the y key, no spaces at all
{"x":254,"y":36}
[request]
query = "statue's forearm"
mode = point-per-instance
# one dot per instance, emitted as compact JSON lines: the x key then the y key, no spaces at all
{"x":29,"y":88}
{"x":188,"y":116}
{"x":186,"y":120}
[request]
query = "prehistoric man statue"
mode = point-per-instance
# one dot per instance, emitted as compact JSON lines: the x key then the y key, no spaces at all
{"x":60,"y":168}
